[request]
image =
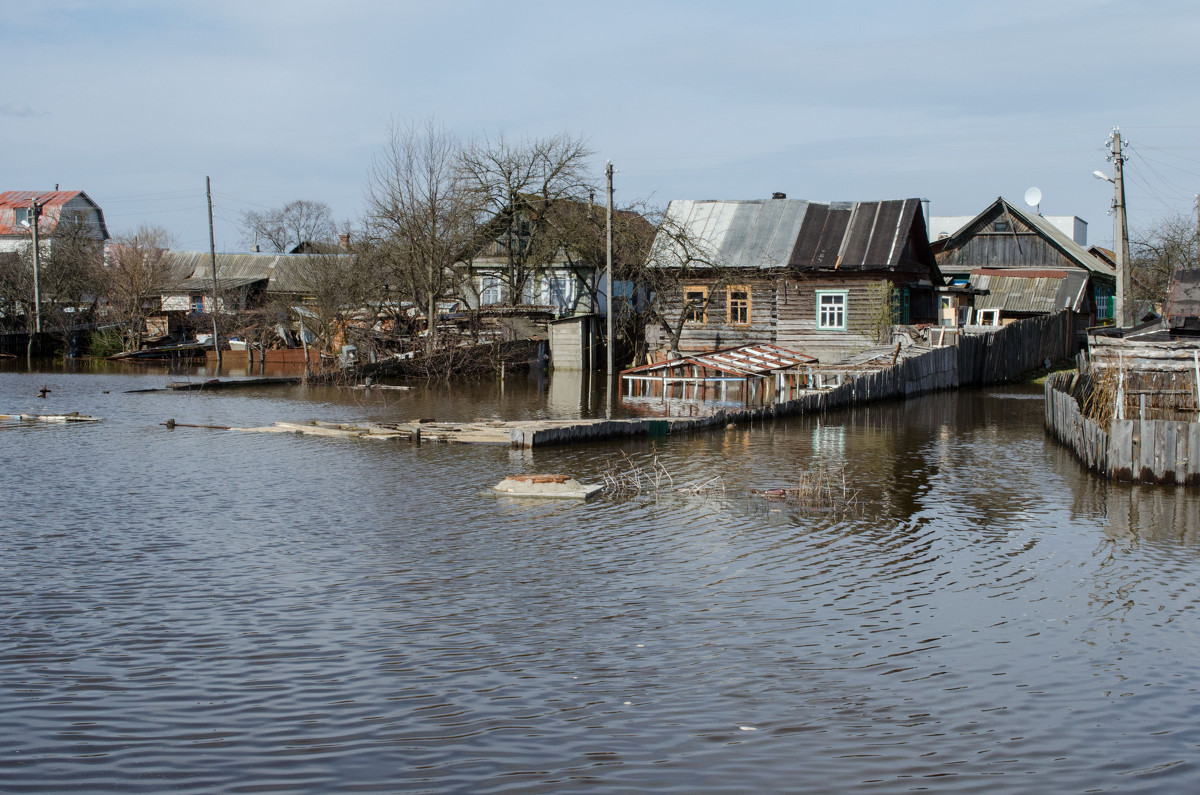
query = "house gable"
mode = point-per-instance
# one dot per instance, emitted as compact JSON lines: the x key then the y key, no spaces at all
{"x":1005,"y":236}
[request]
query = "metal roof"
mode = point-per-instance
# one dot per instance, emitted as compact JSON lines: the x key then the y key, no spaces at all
{"x":1030,"y":291}
{"x":792,"y":233}
{"x":283,"y":272}
{"x":744,"y":361}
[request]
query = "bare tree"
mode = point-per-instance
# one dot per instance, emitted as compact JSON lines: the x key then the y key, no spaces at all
{"x":1157,"y":251}
{"x":516,"y":187}
{"x":71,"y":276}
{"x":335,"y":288}
{"x":16,"y":293}
{"x":69,"y":270}
{"x":682,"y":274}
{"x":135,"y":272}
{"x":421,"y":219}
{"x":290,"y":226}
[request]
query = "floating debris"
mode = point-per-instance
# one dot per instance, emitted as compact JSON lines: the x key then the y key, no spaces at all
{"x":561,"y":486}
{"x":74,"y":416}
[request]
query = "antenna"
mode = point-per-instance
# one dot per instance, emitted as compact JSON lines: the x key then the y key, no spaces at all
{"x":1033,"y":197}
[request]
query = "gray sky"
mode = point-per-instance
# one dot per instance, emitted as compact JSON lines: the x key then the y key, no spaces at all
{"x":136,"y":102}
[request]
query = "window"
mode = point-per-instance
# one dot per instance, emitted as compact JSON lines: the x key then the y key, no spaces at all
{"x":901,"y":302}
{"x":562,"y":294}
{"x":831,"y":309}
{"x":738,"y":305}
{"x":489,"y":291}
{"x":1001,"y":226}
{"x":20,"y":215}
{"x":988,"y":317}
{"x":695,"y":305}
{"x":1104,"y":303}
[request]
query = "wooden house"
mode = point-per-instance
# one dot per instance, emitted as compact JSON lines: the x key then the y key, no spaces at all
{"x":54,"y":206}
{"x":827,"y":279}
{"x":561,"y":246}
{"x":1020,"y":264}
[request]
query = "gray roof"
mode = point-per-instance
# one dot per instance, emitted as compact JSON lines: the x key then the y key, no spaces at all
{"x":1030,"y":291}
{"x":194,"y":272}
{"x":791,"y":233}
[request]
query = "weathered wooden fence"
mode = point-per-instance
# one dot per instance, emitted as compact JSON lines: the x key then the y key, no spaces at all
{"x":1016,"y":349}
{"x":1149,"y":451}
{"x":1013,"y":350}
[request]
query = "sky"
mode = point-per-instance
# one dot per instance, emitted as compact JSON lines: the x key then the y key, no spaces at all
{"x":136,"y":102}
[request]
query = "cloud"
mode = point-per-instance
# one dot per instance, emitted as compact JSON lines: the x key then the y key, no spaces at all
{"x":20,"y":110}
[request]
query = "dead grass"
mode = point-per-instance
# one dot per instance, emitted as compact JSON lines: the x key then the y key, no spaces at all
{"x":824,"y":488}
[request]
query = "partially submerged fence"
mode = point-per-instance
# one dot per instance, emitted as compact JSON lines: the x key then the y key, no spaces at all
{"x":1007,"y":354}
{"x":1144,"y":450}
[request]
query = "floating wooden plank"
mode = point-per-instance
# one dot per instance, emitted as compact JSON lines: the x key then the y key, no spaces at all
{"x":231,"y":383}
{"x":74,"y":416}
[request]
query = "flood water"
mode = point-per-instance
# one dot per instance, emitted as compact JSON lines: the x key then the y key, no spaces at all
{"x":194,"y":610}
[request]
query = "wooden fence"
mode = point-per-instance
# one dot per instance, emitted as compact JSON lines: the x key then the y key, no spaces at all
{"x":1006,"y":355}
{"x":1141,"y":450}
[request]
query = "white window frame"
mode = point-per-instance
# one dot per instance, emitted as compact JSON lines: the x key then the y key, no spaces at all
{"x":561,"y":289}
{"x":987,"y":317}
{"x":490,"y":291}
{"x":839,"y":309}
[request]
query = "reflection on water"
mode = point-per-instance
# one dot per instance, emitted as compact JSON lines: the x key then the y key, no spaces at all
{"x":200,"y":610}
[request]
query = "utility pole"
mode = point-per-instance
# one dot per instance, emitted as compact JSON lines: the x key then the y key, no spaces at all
{"x":608,"y":274}
{"x":212,"y":254}
{"x":1124,"y":307}
{"x":35,"y":211}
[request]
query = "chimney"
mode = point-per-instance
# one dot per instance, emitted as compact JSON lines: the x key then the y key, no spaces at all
{"x":254,"y":249}
{"x":778,"y":195}
{"x":344,"y":242}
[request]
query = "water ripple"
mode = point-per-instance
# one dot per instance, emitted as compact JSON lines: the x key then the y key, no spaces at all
{"x":202,"y":612}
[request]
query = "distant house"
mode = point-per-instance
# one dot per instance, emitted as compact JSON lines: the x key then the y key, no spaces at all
{"x":826,"y":279}
{"x":1021,"y":264}
{"x":56,"y":205}
{"x":1181,"y":310}
{"x":566,"y":264}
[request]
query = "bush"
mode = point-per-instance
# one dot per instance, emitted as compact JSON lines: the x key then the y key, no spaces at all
{"x":107,"y":341}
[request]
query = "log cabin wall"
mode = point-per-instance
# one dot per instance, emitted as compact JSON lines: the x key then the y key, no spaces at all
{"x":717,"y":331}
{"x":797,"y":325}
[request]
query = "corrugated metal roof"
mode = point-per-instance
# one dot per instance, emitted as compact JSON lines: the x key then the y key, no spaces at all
{"x":46,"y":198}
{"x":793,"y":233}
{"x":281,"y":271}
{"x":1030,"y":291}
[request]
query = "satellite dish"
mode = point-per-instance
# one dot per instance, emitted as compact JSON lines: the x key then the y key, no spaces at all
{"x":1033,"y":197}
